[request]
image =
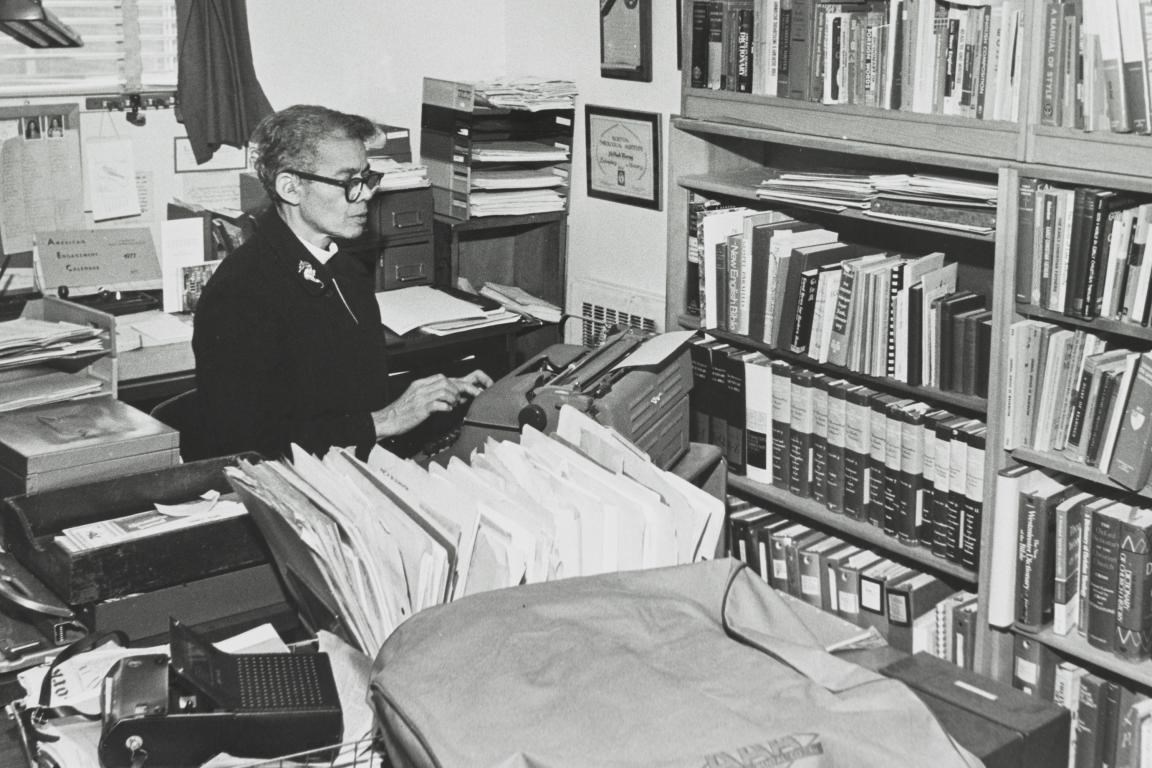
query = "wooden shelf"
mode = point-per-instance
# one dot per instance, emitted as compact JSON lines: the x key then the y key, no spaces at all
{"x":893,"y":134}
{"x":1099,"y":325}
{"x":1076,"y":469}
{"x":742,"y":185}
{"x":856,"y":529}
{"x":1104,"y":158}
{"x":968,"y":403}
{"x":1077,"y":647}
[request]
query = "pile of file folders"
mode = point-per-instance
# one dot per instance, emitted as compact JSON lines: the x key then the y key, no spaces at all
{"x":364,"y":545}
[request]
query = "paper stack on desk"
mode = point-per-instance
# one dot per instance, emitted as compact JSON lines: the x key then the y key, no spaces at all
{"x":436,"y":311}
{"x":388,"y":538}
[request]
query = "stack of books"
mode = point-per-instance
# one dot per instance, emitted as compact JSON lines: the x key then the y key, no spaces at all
{"x":62,"y":444}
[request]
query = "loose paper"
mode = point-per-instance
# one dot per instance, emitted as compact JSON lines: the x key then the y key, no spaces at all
{"x":181,"y":245}
{"x":111,"y":168}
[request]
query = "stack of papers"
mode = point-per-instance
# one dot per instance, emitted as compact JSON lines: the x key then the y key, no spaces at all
{"x":436,"y":312}
{"x":518,"y":152}
{"x":527,"y":93}
{"x":399,"y":175}
{"x":25,"y":341}
{"x":527,"y":178}
{"x":831,"y":190}
{"x":520,"y":301}
{"x":390,"y":537}
{"x":515,"y":203}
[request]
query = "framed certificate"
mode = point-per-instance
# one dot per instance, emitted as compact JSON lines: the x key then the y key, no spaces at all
{"x":623,"y":155}
{"x":626,"y":39}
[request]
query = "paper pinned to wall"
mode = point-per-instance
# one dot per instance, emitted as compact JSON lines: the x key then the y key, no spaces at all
{"x":215,"y":191}
{"x":39,"y":189}
{"x":110,"y":165}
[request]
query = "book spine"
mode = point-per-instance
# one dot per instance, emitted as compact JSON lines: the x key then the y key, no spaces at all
{"x":781,"y":423}
{"x":734,"y":401}
{"x":1132,"y":457}
{"x":700,"y":399}
{"x":892,"y":516}
{"x":836,"y":445}
{"x":838,"y":342}
{"x":857,"y":451}
{"x":1088,"y":721}
{"x":1028,"y":576}
{"x":715,"y":69}
{"x":1133,"y":609}
{"x":1026,"y":215}
{"x":758,"y":420}
{"x":973,"y":501}
{"x":700,"y":33}
{"x":1102,"y":581}
{"x":820,"y":388}
{"x":800,"y":435}
{"x":1050,"y":74}
{"x":718,"y":412}
{"x":877,"y":448}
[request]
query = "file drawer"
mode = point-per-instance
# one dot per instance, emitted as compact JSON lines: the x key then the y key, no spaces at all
{"x":402,"y":213}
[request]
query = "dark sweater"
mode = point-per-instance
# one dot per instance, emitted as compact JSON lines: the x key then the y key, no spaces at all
{"x":279,"y":358}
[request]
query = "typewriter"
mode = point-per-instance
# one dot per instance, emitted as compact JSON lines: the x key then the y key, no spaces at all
{"x":646,"y":404}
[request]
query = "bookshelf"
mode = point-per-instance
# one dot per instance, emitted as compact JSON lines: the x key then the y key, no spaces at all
{"x":720,"y":145}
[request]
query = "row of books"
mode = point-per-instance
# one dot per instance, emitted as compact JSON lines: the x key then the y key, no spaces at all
{"x":913,"y":610}
{"x":917,"y":55}
{"x":910,"y":469}
{"x":1082,"y":561}
{"x":1068,"y":394}
{"x":796,"y":287}
{"x":1111,"y":722}
{"x":1095,"y":67}
{"x":1084,"y":251}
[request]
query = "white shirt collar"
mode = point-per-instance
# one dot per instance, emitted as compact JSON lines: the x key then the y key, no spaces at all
{"x":321,"y":254}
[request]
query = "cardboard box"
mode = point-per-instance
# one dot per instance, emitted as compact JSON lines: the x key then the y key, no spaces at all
{"x":1003,"y":726}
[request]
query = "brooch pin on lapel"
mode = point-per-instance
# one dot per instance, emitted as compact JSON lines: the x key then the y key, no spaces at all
{"x":308,"y":272}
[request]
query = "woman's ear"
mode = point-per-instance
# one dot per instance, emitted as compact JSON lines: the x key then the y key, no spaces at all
{"x":288,"y":188}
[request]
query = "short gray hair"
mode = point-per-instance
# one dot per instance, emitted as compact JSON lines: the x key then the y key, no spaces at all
{"x":288,"y":139}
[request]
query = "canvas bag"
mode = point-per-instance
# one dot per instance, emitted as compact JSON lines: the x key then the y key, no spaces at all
{"x":693,"y":666}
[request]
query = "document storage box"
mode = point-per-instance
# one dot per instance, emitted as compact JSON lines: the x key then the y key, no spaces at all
{"x":1005,"y":727}
{"x":31,"y":523}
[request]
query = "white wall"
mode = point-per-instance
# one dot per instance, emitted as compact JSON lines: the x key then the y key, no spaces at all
{"x":370,"y":56}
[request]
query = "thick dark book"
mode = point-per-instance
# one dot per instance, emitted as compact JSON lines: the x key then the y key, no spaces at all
{"x":814,"y":588}
{"x":745,"y":56}
{"x":778,"y":543}
{"x":781,"y":423}
{"x":762,"y":543}
{"x":1089,"y":741}
{"x":734,"y":403}
{"x":1033,"y":667}
{"x":834,"y":453}
{"x":718,"y":412}
{"x":949,"y":495}
{"x":1101,"y":412}
{"x":1036,"y":552}
{"x":1090,"y":209}
{"x":801,"y":41}
{"x":983,"y":366}
{"x":911,"y":605}
{"x":792,"y":549}
{"x":910,"y":479}
{"x":830,"y":562}
{"x":818,"y":488}
{"x":716,"y":13}
{"x":916,"y":335}
{"x":784,"y":54}
{"x":1109,"y":722}
{"x":948,"y":307}
{"x":1051,"y":93}
{"x":800,"y":433}
{"x":964,"y":634}
{"x":931,"y":423}
{"x":857,"y":449}
{"x":1133,"y":600}
{"x":892,"y":510}
{"x":981,"y":216}
{"x":699,"y":56}
{"x":877,"y":450}
{"x":742,"y":518}
{"x":967,"y":368}
{"x":720,"y":276}
{"x":701,"y":399}
{"x":758,"y":417}
{"x":974,"y":436}
{"x":806,"y":308}
{"x":1132,"y":458}
{"x":1025,"y":239}
{"x":1103,"y":575}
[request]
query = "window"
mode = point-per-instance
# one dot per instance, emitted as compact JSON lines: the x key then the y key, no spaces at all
{"x":129,"y":46}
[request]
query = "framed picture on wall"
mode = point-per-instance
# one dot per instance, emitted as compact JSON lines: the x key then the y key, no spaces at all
{"x":623,"y":155}
{"x":626,"y":39}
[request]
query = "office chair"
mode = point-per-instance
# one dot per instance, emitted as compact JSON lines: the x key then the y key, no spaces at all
{"x":182,"y":413}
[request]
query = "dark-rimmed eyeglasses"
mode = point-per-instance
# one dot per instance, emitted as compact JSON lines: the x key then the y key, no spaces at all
{"x":355,"y":188}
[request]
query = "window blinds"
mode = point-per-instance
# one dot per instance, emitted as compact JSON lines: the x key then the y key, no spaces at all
{"x":129,"y":46}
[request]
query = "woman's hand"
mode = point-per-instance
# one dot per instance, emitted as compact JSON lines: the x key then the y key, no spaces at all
{"x":424,"y":397}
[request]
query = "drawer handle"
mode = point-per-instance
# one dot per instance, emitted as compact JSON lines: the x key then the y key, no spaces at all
{"x":403,"y":219}
{"x":408,"y":272}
